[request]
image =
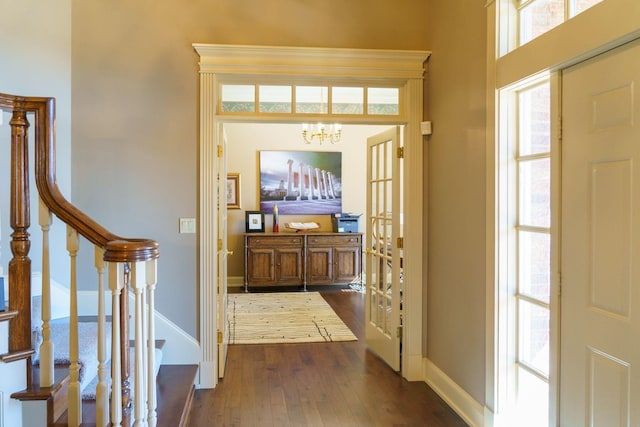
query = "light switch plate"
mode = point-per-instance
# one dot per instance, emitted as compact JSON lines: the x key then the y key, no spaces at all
{"x":187,"y":225}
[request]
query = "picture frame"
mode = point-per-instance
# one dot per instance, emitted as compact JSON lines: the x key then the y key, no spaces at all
{"x":254,"y":221}
{"x":301,"y":182}
{"x":232,"y":190}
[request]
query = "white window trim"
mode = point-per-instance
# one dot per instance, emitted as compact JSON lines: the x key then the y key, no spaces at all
{"x":618,"y":22}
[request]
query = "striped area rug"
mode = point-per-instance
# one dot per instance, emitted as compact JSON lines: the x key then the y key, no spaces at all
{"x":284,"y":317}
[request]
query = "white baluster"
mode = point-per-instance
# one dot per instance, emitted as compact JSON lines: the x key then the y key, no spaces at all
{"x":151,"y":267}
{"x":144,"y":346}
{"x":75,"y":404}
{"x":102,"y":392}
{"x":116,"y":283}
{"x":46,"y":347}
{"x":138,"y":286}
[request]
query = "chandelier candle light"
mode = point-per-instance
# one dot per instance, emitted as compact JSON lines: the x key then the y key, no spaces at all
{"x":323,"y":133}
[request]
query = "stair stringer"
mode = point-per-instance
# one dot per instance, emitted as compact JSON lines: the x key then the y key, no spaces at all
{"x":13,"y":380}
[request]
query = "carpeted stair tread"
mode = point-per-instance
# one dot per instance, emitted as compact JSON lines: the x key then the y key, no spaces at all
{"x":87,"y":347}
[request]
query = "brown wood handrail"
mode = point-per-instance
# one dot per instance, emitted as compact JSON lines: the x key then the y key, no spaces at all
{"x":117,"y":249}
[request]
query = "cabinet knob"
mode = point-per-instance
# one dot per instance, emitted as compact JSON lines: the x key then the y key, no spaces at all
{"x":257,"y":240}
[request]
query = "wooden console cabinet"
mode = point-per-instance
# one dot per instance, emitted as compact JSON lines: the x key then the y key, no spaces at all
{"x":333,"y":258}
{"x":288,"y":259}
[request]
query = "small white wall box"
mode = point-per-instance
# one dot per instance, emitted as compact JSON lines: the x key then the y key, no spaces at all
{"x":425,"y":128}
{"x":345,"y":223}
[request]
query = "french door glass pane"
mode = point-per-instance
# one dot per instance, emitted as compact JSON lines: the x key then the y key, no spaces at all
{"x":533,"y":335}
{"x":534,"y":264}
{"x":534,"y":121}
{"x":535,"y":192}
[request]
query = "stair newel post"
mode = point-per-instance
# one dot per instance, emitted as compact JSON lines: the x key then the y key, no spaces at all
{"x":138,"y":286}
{"x":116,"y":285}
{"x":46,"y":348}
{"x":20,"y":264}
{"x":125,"y":365}
{"x":102,"y":392}
{"x":152,"y":417}
{"x":75,"y":403}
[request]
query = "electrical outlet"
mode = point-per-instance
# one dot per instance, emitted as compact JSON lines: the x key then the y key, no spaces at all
{"x":187,"y":225}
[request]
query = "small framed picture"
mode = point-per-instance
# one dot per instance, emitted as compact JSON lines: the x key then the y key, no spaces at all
{"x":233,"y":191}
{"x":254,"y":221}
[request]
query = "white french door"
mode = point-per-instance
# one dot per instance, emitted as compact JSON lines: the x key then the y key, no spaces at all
{"x":223,"y":253}
{"x":383,"y":247}
{"x":600,"y":326}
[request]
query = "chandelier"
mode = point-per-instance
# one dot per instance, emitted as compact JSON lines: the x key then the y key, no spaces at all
{"x":321,"y":132}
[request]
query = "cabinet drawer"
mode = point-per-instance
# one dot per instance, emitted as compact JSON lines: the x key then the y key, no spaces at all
{"x":270,"y":241}
{"x":346,"y":240}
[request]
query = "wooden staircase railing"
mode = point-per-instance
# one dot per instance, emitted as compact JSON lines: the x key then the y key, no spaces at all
{"x":129,"y":264}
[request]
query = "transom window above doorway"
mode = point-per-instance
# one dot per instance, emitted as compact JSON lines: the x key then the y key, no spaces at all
{"x":309,"y":99}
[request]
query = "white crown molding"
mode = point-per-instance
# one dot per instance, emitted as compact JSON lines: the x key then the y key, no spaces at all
{"x":309,"y":61}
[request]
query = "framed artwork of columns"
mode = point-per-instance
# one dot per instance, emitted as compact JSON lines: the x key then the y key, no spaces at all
{"x":301,"y":182}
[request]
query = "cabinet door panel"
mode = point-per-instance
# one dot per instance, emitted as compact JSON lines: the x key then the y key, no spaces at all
{"x":347,"y":264}
{"x":260,"y":266}
{"x":319,"y":266}
{"x":289,"y":266}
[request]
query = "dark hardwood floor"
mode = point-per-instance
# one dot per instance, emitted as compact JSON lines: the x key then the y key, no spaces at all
{"x":318,"y":384}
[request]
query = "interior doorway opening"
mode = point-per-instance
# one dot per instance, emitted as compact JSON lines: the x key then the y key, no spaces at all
{"x":223,"y":64}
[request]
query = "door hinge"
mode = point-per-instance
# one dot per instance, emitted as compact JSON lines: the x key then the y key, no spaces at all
{"x":401,"y":152}
{"x":219,"y":244}
{"x":399,"y":332}
{"x":400,"y":243}
{"x":219,"y":337}
{"x":219,"y":150}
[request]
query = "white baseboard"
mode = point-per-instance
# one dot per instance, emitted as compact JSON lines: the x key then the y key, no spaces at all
{"x":180,"y":348}
{"x":207,"y":375}
{"x":460,"y":401}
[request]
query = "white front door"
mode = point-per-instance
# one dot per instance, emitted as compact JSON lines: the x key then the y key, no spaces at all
{"x":223,"y":252}
{"x":600,"y":257}
{"x":383,"y":247}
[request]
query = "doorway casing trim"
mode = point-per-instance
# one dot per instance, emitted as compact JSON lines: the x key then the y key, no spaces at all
{"x":221,"y":63}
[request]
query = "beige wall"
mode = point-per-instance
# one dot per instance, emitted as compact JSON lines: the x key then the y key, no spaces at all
{"x":134,"y":86}
{"x":455,"y":317}
{"x":135,"y":105}
{"x":35,"y":52}
{"x":246,"y":140}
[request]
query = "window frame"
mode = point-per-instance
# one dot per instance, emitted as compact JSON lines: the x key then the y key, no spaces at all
{"x":618,"y":22}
